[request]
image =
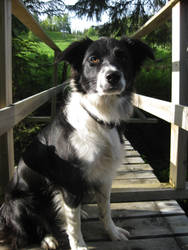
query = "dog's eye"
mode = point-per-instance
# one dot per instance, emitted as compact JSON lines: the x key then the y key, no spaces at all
{"x":94,"y":60}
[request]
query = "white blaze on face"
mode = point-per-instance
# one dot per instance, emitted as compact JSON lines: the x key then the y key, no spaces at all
{"x":102,"y":81}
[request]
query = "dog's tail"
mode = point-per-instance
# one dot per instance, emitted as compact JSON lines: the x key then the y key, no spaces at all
{"x":7,"y":234}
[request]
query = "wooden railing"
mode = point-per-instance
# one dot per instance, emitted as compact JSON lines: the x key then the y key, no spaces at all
{"x":175,"y":112}
{"x":12,"y":113}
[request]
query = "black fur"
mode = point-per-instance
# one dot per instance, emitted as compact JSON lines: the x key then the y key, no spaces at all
{"x":50,"y":164}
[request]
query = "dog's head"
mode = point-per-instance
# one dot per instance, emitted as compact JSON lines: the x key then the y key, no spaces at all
{"x":106,"y":66}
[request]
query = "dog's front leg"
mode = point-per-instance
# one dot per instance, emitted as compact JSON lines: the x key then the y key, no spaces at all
{"x":103,"y":201}
{"x":73,"y":228}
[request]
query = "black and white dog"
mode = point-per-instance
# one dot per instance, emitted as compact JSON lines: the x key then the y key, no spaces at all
{"x":78,"y":153}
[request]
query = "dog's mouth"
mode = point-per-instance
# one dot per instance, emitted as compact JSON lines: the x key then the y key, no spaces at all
{"x":110,"y":91}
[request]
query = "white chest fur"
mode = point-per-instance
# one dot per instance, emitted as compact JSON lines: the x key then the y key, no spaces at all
{"x":100,"y":152}
{"x":99,"y":148}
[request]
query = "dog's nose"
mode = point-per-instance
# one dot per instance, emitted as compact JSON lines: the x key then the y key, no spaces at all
{"x":113,"y":77}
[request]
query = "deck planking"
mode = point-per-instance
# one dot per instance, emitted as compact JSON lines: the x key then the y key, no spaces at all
{"x":153,"y":225}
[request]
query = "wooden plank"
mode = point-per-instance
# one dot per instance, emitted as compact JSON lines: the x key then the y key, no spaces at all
{"x":149,"y":227}
{"x":136,"y":209}
{"x":158,"y":19}
{"x":135,"y":167}
{"x":14,"y":113}
{"x":148,"y":192}
{"x":6,"y":140}
{"x":21,"y":12}
{"x":135,"y":175}
{"x":129,"y":147}
{"x":130,"y":153}
{"x":179,"y":138}
{"x":166,"y":243}
{"x":141,"y":244}
{"x":133,"y":160}
{"x":55,"y":80}
{"x":34,"y":119}
{"x":171,"y":112}
{"x":134,"y":183}
{"x":182,"y":241}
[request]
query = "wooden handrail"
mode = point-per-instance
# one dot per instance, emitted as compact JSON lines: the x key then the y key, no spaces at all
{"x":168,"y":111}
{"x":11,"y":115}
{"x":155,"y":21}
{"x":20,"y":11}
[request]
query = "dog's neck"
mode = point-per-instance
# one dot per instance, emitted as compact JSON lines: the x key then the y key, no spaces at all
{"x":108,"y":125}
{"x":98,"y":109}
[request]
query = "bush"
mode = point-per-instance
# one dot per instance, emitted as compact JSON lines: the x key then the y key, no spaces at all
{"x":155,"y":77}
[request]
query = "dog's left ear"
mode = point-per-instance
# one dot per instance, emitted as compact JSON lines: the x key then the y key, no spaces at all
{"x":139,"y":50}
{"x":74,"y":54}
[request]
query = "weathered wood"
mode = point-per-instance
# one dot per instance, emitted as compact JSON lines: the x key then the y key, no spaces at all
{"x":133,"y":160}
{"x":55,"y":80}
{"x":136,"y":209}
{"x":44,"y":119}
{"x":132,"y":153}
{"x":135,"y":167}
{"x":171,"y":112}
{"x":124,"y":175}
{"x":6,"y":140}
{"x":20,"y":11}
{"x":135,"y":183}
{"x":149,"y":227}
{"x":158,"y":19}
{"x":140,"y":244}
{"x":147,"y":192}
{"x":166,"y":243}
{"x":14,"y":113}
{"x":179,"y":138}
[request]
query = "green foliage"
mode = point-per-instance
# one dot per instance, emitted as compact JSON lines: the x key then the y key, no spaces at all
{"x":155,"y":78}
{"x":91,"y":32}
{"x":121,"y":13}
{"x":57,"y":23}
{"x":23,"y":136}
{"x":32,"y":72}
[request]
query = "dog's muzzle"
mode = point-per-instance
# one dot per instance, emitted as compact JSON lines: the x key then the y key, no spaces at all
{"x":110,"y":81}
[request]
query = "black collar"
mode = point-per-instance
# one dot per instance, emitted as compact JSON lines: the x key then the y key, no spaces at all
{"x":109,"y":125}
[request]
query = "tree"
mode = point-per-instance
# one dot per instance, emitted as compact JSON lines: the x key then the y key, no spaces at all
{"x":50,"y":7}
{"x":123,"y":14}
{"x":57,"y":23}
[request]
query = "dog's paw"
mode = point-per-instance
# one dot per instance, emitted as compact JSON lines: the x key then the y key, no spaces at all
{"x":49,"y":242}
{"x":118,"y":234}
{"x":82,"y":248}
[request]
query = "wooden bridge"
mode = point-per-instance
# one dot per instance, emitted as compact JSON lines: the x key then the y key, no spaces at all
{"x":140,"y":203}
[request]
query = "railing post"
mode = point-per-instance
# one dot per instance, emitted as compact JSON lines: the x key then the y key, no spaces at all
{"x":179,"y":137}
{"x":55,"y":80}
{"x":6,"y":140}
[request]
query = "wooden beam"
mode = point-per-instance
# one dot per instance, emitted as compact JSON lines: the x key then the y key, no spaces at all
{"x":55,"y":81}
{"x":6,"y":140}
{"x":149,"y":192}
{"x":14,"y":113}
{"x":20,"y":11}
{"x":179,"y":137}
{"x":171,"y":112}
{"x":158,"y":19}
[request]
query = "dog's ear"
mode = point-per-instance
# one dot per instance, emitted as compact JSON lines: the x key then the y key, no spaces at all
{"x":139,"y":50}
{"x":74,"y":54}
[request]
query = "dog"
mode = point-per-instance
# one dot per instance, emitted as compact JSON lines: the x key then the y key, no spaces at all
{"x":78,"y":153}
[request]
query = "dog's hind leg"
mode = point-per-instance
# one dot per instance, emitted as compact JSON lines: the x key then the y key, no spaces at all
{"x":73,"y":228}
